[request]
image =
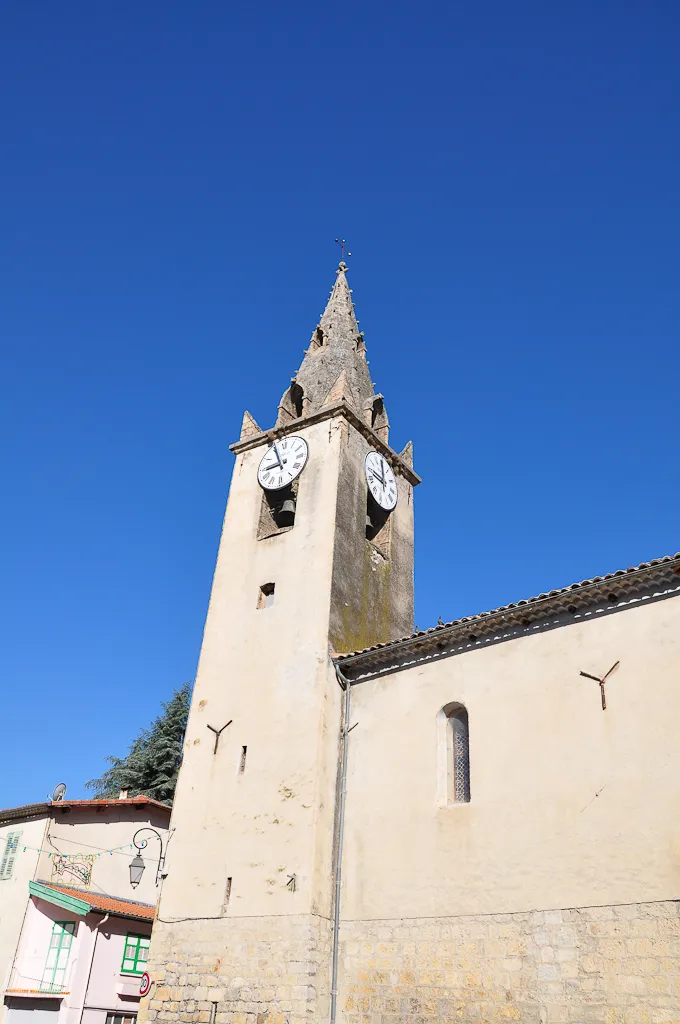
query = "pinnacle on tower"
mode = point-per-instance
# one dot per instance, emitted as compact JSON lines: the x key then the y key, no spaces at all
{"x":336,"y":348}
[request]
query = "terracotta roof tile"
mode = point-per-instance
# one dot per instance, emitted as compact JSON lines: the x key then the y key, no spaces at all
{"x":99,"y":901}
{"x":40,"y":810}
{"x":133,"y":801}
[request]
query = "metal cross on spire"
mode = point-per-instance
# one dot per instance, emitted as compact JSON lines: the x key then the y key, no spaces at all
{"x":342,"y":242}
{"x":602,"y":680}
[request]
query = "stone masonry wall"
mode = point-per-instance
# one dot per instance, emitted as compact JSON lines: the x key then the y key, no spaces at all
{"x":597,"y":965}
{"x":240,"y":970}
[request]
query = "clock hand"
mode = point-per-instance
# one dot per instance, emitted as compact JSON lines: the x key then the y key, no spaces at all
{"x":276,"y":453}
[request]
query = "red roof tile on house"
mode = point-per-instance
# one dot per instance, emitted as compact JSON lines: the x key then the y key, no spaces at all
{"x":41,"y":810}
{"x":107,"y":904}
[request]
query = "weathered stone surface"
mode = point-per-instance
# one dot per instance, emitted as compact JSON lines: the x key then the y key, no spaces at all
{"x":547,"y":968}
{"x":336,"y":353}
{"x":262,"y":970}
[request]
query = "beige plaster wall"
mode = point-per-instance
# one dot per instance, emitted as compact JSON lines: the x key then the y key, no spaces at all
{"x":14,"y":890}
{"x":93,"y":831}
{"x":106,"y":981}
{"x":571,"y":806}
{"x":266,"y":670}
{"x":552,"y":895}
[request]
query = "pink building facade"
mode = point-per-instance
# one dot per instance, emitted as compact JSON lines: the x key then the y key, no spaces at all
{"x":74,"y":924}
{"x":80,"y":959}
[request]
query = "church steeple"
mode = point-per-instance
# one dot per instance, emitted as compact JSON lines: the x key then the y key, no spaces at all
{"x":334,"y":367}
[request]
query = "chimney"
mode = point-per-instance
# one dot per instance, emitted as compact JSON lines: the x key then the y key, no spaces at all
{"x":123,"y":795}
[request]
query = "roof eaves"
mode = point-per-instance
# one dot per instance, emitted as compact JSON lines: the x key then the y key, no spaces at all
{"x":96,"y":903}
{"x":498,"y":618}
{"x":27,"y":812}
{"x":134,"y":801}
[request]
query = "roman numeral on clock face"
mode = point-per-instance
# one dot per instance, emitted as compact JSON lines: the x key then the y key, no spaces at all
{"x":381,"y":480}
{"x":283,"y":461}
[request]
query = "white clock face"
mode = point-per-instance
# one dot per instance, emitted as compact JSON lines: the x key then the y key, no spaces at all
{"x":282,"y":463}
{"x":381,"y":481}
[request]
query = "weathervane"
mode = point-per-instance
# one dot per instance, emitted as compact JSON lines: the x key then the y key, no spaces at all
{"x":602,"y":680}
{"x":342,"y":242}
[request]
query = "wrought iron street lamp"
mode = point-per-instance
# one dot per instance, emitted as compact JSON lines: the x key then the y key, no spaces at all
{"x":137,"y":864}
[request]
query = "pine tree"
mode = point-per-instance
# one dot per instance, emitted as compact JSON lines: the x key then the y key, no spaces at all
{"x":152,"y":763}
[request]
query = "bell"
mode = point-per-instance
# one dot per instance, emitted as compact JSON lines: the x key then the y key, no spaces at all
{"x":369,"y":524}
{"x":286,"y":516}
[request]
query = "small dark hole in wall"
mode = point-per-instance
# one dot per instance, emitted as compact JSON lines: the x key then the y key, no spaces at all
{"x":265,"y":599}
{"x":242,"y":763}
{"x":227,"y":894}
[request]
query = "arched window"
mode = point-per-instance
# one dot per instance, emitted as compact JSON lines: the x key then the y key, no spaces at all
{"x":454,"y":755}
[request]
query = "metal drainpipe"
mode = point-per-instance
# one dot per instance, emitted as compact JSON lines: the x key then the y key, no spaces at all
{"x":89,"y":973}
{"x":341,"y":832}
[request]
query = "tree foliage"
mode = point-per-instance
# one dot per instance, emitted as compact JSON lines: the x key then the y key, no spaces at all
{"x":152,"y":763}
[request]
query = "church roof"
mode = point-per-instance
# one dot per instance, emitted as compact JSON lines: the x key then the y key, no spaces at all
{"x":577,"y":597}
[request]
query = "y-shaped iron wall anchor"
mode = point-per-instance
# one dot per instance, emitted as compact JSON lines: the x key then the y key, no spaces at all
{"x":218,"y":733}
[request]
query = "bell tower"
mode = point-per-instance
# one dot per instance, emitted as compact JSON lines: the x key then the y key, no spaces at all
{"x":316,"y":557}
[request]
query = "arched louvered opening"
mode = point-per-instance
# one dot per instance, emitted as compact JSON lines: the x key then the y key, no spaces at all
{"x":291,"y":406}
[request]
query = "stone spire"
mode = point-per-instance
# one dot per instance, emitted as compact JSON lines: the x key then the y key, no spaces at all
{"x":334,"y":367}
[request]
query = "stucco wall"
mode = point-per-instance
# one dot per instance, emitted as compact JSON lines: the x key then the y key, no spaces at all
{"x":106,"y":978}
{"x":94,"y":831}
{"x":571,"y":805}
{"x":14,"y":890}
{"x":552,"y":895}
{"x":93,"y":976}
{"x":267,"y":671}
{"x":34,"y":944}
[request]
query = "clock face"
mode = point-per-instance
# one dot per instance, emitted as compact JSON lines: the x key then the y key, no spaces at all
{"x":282,"y":462}
{"x":381,"y":481}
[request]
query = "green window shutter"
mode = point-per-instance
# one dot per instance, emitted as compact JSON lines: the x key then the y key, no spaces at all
{"x":54,"y":975}
{"x":135,"y":954}
{"x":9,"y":855}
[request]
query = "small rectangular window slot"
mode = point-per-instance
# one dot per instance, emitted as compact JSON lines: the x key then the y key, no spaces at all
{"x":265,"y":599}
{"x":227,"y":895}
{"x":242,"y":764}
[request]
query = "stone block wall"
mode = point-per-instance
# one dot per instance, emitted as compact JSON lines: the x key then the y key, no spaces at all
{"x":240,"y":970}
{"x":597,"y":965}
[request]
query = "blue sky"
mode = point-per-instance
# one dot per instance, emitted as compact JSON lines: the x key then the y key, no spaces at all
{"x":172,"y":179}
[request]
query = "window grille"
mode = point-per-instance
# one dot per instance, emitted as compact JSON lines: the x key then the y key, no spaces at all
{"x":460,"y":756}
